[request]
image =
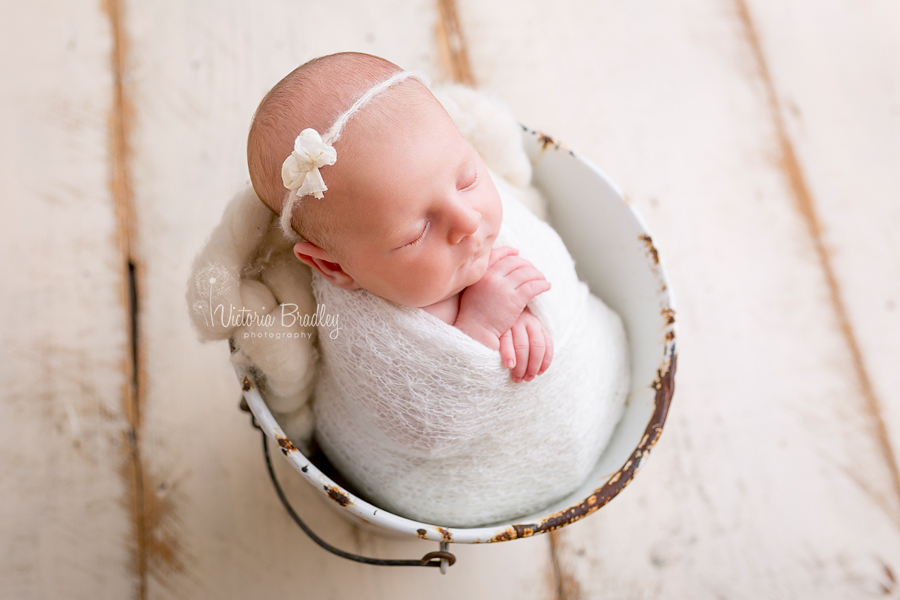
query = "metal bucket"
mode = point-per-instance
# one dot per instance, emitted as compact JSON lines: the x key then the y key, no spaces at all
{"x":615,"y":255}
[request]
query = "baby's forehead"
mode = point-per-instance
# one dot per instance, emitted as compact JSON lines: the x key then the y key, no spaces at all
{"x":323,"y":93}
{"x":389,"y":184}
{"x":404,"y":119}
{"x":391,"y":137}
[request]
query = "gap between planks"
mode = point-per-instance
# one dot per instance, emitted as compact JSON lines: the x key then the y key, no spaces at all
{"x":120,"y":128}
{"x":805,"y":205}
{"x":565,"y":584}
{"x":452,"y":44}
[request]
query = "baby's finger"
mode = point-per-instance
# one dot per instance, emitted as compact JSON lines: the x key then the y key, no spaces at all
{"x":523,"y":275}
{"x":548,"y":354}
{"x":520,"y":345}
{"x":530,"y":289}
{"x":507,"y":351}
{"x":501,"y":253}
{"x":507,"y":264}
{"x":536,"y":348}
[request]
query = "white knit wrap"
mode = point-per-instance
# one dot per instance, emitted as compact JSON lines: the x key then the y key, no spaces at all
{"x":425,"y":421}
{"x":443,"y":450}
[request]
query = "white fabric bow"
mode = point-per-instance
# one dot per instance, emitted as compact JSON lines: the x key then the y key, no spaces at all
{"x":300,"y":171}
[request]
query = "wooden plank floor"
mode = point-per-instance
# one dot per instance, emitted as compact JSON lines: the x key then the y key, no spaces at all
{"x":67,"y":498}
{"x":759,"y":139}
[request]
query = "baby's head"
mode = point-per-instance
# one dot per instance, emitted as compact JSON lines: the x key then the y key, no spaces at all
{"x":410,"y":212}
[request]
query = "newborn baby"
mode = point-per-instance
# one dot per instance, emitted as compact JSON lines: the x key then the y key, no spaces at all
{"x":399,"y":220}
{"x":411,"y":212}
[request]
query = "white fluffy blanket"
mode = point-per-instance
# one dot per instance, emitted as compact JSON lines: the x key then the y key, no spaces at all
{"x":425,"y":421}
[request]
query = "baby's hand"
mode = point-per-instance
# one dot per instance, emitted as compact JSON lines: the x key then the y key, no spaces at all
{"x":490,"y":306}
{"x":527,"y":348}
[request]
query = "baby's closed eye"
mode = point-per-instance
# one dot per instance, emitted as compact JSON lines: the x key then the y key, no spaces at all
{"x":468,"y":180}
{"x":421,"y":237}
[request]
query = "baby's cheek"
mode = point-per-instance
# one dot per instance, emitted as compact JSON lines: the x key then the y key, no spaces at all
{"x":424,"y":285}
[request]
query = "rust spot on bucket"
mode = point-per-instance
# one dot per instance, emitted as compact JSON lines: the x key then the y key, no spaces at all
{"x":545,"y":140}
{"x":657,"y":382}
{"x":338,"y":496}
{"x":651,"y":249}
{"x":524,"y":531}
{"x":504,"y":536}
{"x":286,"y":445}
{"x":422,"y":533}
{"x":446,"y":536}
{"x":246,"y":385}
{"x":665,"y":388}
{"x":669,"y":314}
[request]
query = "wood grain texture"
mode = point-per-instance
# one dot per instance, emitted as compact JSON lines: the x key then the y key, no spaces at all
{"x":195,"y":73}
{"x":769,"y":480}
{"x":65,"y":523}
{"x":836,"y":70}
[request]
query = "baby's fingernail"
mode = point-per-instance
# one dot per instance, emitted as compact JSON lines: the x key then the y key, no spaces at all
{"x":510,"y":363}
{"x":517,"y":379}
{"x":529,"y":378}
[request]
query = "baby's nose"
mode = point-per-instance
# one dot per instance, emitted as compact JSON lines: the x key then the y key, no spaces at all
{"x":466,"y":223}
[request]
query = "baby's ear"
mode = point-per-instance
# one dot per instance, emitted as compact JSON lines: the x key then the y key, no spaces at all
{"x":321,"y":261}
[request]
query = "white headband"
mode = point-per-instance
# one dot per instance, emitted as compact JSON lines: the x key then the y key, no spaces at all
{"x":300,"y":171}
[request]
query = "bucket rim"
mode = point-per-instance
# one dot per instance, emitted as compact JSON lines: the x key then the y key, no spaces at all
{"x":663,"y":384}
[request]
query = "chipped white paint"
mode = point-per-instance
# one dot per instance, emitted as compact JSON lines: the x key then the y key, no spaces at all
{"x":843,"y":118}
{"x":65,"y":519}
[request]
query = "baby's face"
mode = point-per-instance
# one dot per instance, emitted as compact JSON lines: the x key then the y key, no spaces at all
{"x":416,"y":212}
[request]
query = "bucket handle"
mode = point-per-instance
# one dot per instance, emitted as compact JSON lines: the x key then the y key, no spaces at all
{"x":442,"y":558}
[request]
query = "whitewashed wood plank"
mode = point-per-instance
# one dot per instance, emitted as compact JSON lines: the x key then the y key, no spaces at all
{"x":836,"y":70}
{"x":66,"y":526}
{"x":767,"y":482}
{"x":195,"y":74}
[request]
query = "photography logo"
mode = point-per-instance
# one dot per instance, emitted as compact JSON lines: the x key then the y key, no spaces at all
{"x":213,"y":282}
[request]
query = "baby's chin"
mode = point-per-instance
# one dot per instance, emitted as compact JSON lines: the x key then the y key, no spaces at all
{"x":474,"y":272}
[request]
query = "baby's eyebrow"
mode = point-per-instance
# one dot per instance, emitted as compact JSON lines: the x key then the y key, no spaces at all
{"x":395,"y":229}
{"x":466,"y":166}
{"x":398,"y":233}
